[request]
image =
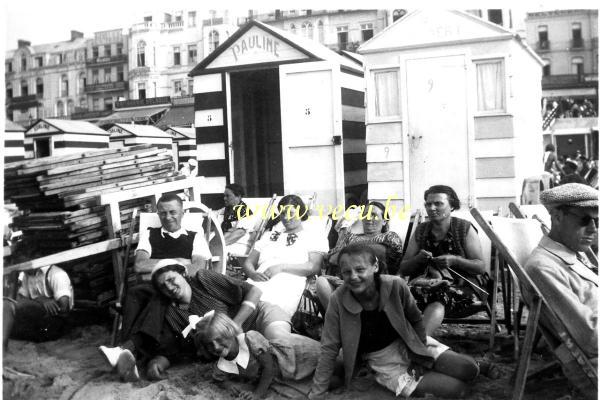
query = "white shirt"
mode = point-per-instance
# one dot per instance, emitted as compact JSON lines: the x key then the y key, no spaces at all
{"x":34,"y":286}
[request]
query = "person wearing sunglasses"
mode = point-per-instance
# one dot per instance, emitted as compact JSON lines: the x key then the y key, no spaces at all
{"x":563,"y":273}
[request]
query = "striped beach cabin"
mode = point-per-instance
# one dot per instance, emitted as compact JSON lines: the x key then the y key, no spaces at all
{"x":278,"y":113}
{"x":184,"y":143}
{"x":14,"y":142}
{"x":55,"y":137}
{"x":452,"y":99}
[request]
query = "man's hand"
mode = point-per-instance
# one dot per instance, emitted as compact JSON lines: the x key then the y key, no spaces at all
{"x":273,"y":270}
{"x":258,"y":277}
{"x":445,"y":261}
{"x":50,"y":305}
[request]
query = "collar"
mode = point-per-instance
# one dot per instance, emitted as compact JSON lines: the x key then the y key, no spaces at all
{"x":242,"y":359}
{"x":350,"y":303}
{"x":569,"y":257}
{"x":174,"y":235}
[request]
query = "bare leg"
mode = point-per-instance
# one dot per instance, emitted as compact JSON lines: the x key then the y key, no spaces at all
{"x":433,"y":317}
{"x":8,"y":320}
{"x":277,"y":330}
{"x":324,"y":291}
{"x":440,"y":385}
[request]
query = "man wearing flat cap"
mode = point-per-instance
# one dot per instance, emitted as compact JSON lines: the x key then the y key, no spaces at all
{"x":563,"y":274}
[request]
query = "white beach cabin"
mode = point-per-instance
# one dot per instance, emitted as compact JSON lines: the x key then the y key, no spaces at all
{"x":451,"y":99}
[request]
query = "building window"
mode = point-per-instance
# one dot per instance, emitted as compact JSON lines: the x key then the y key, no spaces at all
{"x":321,"y":31}
{"x":81,"y":83}
{"x":107,"y":77}
{"x":9,"y":66}
{"x":60,"y":108}
{"x":490,"y":86}
{"x":577,"y":66}
{"x":141,"y":90}
{"x":366,"y":31}
{"x":83,"y":103}
{"x":64,"y":86}
{"x":546,"y":69}
{"x":176,"y":56}
{"x":213,"y":41}
{"x":23,"y":63}
{"x":387,"y":101}
{"x":9,"y":91}
{"x":495,"y":16}
{"x":95,"y":52}
{"x":119,"y":49}
{"x":141,"y":54}
{"x":293,"y":28}
{"x":108,"y":103}
{"x":543,"y":43}
{"x":397,"y":14}
{"x":192,"y":18}
{"x":39,"y":87}
{"x":120,"y":74}
{"x":148,"y":18}
{"x":24,"y":88}
{"x":95,"y":76}
{"x":577,"y":41}
{"x":70,"y":107}
{"x":192,"y":54}
{"x":39,"y":62}
{"x":307,"y":30}
{"x":342,"y":36}
{"x":107,"y":51}
{"x":96,"y":105}
{"x":177,"y":88}
{"x":190,"y":86}
{"x":59,"y":59}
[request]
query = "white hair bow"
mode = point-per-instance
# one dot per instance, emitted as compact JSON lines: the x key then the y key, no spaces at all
{"x":194,"y":319}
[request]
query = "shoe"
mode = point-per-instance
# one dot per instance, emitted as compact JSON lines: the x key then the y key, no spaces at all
{"x":126,"y":367}
{"x":111,"y":354}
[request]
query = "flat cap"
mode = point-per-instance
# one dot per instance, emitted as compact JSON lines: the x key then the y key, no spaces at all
{"x":165,"y":263}
{"x":570,"y":194}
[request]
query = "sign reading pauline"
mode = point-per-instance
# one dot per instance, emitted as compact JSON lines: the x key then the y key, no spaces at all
{"x":259,"y":42}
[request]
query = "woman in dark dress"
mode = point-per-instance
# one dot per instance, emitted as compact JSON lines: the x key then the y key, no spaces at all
{"x":444,"y":255}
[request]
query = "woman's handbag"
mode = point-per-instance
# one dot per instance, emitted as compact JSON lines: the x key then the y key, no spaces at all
{"x":308,"y":318}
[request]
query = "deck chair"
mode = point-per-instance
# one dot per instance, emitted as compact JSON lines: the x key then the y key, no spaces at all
{"x":198,"y":222}
{"x":515,"y":239}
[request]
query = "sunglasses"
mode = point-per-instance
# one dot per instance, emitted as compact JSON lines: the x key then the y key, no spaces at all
{"x":584,"y":220}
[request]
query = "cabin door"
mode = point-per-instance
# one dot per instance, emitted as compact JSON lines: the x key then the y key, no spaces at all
{"x":437,"y":133}
{"x":311,"y":129}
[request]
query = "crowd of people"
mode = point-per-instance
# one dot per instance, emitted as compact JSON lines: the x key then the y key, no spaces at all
{"x":382,"y":307}
{"x":574,"y":169}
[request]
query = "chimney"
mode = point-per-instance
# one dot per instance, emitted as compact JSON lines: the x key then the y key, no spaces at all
{"x":23,"y":43}
{"x":76,"y":35}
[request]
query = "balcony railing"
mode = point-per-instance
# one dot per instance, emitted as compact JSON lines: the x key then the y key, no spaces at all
{"x":212,"y":21}
{"x":142,"y":26}
{"x":171,"y":25}
{"x":143,"y":102}
{"x":577,"y":43}
{"x":24,"y":99}
{"x":570,"y":80}
{"x":543,"y":45}
{"x":121,"y":58}
{"x":107,"y":86}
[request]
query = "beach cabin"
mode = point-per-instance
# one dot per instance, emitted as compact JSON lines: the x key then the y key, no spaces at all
{"x":14,"y":142}
{"x":132,"y":134}
{"x":56,"y":137}
{"x":184,"y":143}
{"x":452,"y":99}
{"x":279,"y":113}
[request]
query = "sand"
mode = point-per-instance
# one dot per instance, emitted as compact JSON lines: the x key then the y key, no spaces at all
{"x":72,"y":368}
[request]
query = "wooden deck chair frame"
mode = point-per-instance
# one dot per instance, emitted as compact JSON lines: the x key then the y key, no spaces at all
{"x":535,"y":308}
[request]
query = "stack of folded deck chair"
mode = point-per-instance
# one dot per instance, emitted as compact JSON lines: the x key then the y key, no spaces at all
{"x":58,"y":199}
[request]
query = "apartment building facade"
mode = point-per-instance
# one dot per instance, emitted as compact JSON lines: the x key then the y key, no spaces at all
{"x":45,"y":80}
{"x":567,"y":41}
{"x":166,"y":46}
